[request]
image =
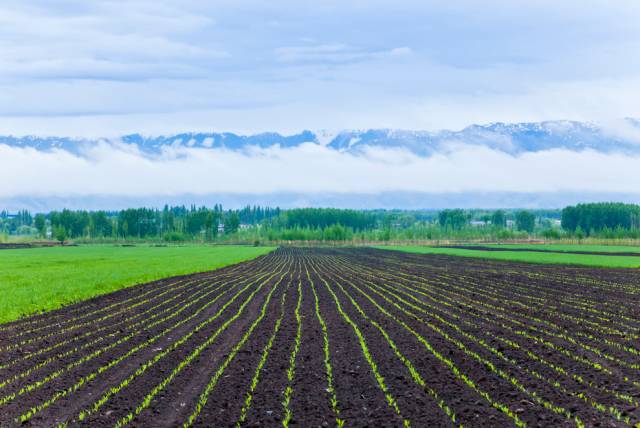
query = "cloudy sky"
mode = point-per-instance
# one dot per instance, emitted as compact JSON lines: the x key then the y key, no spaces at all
{"x":107,"y":68}
{"x":104,"y":68}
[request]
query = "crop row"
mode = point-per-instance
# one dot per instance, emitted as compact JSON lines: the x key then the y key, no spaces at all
{"x":363,"y":336}
{"x":394,"y":299}
{"x":140,"y":347}
{"x":73,"y":323}
{"x":261,"y":363}
{"x":145,"y":320}
{"x":454,"y":327}
{"x":465,"y":292}
{"x":159,"y":317}
{"x":545,"y":290}
{"x":198,"y":350}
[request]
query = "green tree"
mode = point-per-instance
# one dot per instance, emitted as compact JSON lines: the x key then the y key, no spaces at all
{"x":231,"y":223}
{"x":454,"y":219}
{"x":100,"y":225}
{"x":499,"y":218}
{"x":525,"y":221}
{"x":60,"y":234}
{"x":598,"y":216}
{"x":40,"y":222}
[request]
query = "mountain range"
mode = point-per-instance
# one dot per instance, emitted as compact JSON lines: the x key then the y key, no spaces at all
{"x":622,"y":137}
{"x":514,"y":139}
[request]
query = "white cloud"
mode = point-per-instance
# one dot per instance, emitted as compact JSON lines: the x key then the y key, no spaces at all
{"x":334,"y":54}
{"x":116,"y":169}
{"x":400,"y":51}
{"x":105,"y":68}
{"x":622,"y":129}
{"x":105,"y":42}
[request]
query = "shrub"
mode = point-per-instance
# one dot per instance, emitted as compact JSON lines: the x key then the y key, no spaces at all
{"x":174,"y":237}
{"x":551,"y":233}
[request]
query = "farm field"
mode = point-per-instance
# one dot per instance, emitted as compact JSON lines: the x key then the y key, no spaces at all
{"x":38,"y":279}
{"x":568,"y":248}
{"x":595,"y":259}
{"x":337,"y":337}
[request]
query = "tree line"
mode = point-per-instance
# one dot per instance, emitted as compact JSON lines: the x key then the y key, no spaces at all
{"x":321,"y":218}
{"x":172,"y":223}
{"x":176,"y":223}
{"x":594,"y":218}
{"x":457,"y":219}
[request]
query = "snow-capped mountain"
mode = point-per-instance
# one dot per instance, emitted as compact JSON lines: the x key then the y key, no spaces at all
{"x":510,"y":138}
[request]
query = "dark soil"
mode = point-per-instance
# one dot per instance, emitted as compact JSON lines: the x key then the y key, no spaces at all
{"x":22,"y":245}
{"x":492,"y":341}
{"x":14,"y":246}
{"x":539,"y":250}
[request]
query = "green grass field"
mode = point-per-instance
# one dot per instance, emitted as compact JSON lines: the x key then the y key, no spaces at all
{"x":39,"y":279}
{"x":571,"y":247}
{"x":530,"y":257}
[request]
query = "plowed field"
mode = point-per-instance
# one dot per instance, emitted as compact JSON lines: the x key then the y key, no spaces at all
{"x":337,"y":337}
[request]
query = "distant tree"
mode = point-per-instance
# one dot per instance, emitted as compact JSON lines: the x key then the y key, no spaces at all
{"x":598,"y":216}
{"x":60,"y":234}
{"x":324,"y":217}
{"x":211,"y":224}
{"x":499,"y":218}
{"x":551,"y":233}
{"x":454,"y":219}
{"x":231,"y":223}
{"x":173,"y":237}
{"x":336,"y":232}
{"x":24,"y":230}
{"x":100,"y":225}
{"x":40,"y":222}
{"x":23,"y":218}
{"x":525,"y":221}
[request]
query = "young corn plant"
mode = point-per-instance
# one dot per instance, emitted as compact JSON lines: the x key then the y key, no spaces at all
{"x":292,"y":362}
{"x":204,"y":396}
{"x":142,"y":369}
{"x":263,"y":360}
{"x":454,"y":369}
{"x":79,"y":384}
{"x":333,"y":399}
{"x":391,"y":401}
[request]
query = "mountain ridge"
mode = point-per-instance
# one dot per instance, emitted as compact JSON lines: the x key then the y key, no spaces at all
{"x":512,"y":138}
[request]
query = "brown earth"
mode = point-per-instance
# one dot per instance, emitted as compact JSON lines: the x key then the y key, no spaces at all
{"x":15,"y":246}
{"x":22,"y":245}
{"x":540,"y":250}
{"x":410,"y":340}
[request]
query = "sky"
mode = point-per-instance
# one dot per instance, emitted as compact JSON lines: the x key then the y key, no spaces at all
{"x":108,"y":68}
